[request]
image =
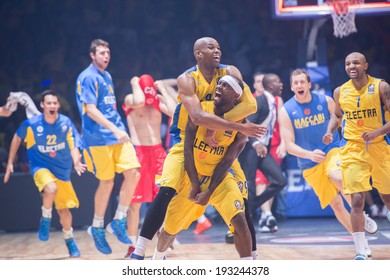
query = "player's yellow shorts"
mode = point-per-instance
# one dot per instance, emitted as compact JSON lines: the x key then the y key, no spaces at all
{"x":226,"y":199}
{"x":173,"y":168}
{"x":359,"y":162}
{"x":65,"y":196}
{"x":318,"y":177}
{"x":173,"y":172}
{"x":105,"y":161}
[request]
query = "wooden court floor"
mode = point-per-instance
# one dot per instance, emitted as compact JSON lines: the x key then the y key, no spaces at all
{"x":296,"y":239}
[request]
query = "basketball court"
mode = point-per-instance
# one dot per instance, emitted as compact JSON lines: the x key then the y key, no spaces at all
{"x":296,"y":239}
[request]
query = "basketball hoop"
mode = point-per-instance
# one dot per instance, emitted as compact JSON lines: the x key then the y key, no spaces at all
{"x":343,"y":16}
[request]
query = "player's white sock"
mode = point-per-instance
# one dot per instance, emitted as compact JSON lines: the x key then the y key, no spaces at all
{"x":255,"y":255}
{"x":360,"y":241}
{"x":67,"y":233}
{"x":142,"y":244}
{"x":46,"y":213}
{"x":98,"y":222}
{"x":202,"y":219}
{"x":121,"y":212}
{"x":246,"y":258}
{"x":158,"y":255}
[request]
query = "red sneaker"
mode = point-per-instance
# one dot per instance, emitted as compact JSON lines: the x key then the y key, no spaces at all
{"x":202,"y":227}
{"x":129,"y":251}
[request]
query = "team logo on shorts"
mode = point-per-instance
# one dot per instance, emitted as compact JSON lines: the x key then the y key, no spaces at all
{"x":371,"y":89}
{"x":40,"y":129}
{"x":238,"y":205}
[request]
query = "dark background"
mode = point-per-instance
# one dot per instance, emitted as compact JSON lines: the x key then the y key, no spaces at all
{"x":44,"y":44}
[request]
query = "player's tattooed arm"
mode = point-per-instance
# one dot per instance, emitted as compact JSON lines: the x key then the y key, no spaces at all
{"x":384,"y":89}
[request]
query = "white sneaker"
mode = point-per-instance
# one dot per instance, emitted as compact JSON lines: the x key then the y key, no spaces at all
{"x":367,"y":251}
{"x":268,"y":224}
{"x":360,"y":257}
{"x":369,"y":224}
{"x":158,"y":255}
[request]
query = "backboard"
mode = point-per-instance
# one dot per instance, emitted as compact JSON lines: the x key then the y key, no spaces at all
{"x":317,"y":8}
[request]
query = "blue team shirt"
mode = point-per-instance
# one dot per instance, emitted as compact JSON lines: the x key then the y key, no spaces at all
{"x":310,"y":122}
{"x":49,"y":145}
{"x":94,"y":87}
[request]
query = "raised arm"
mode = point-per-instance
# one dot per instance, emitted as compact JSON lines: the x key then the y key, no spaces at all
{"x":11,"y":157}
{"x":171,"y":87}
{"x":190,"y":100}
{"x":170,"y":82}
{"x":4,"y":112}
{"x":167,"y":102}
{"x":137,"y":98}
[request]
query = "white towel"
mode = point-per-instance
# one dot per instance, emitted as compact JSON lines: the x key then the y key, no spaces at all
{"x":25,"y":100}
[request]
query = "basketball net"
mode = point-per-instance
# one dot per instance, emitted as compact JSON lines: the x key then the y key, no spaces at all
{"x":343,"y":17}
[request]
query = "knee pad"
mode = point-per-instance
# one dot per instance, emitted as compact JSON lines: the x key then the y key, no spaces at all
{"x":167,"y":191}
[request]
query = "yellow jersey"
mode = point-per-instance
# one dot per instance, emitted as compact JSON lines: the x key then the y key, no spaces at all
{"x":362,"y":109}
{"x":207,"y":158}
{"x":206,"y":92}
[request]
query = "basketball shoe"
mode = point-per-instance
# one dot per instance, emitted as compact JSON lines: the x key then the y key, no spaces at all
{"x":118,"y":228}
{"x":202,"y":227}
{"x":99,"y":236}
{"x":136,"y":257}
{"x":268,"y":224}
{"x":369,"y":224}
{"x":360,"y":257}
{"x":44,"y":229}
{"x":130,"y":250}
{"x":74,"y":252}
